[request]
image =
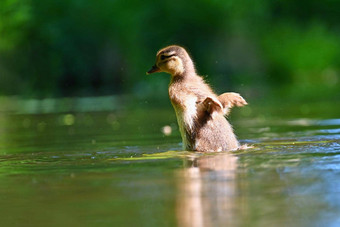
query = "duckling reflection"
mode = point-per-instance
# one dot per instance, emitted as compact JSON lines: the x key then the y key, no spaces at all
{"x":207,"y":191}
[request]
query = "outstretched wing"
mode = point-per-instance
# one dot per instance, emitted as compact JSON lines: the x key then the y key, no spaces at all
{"x":231,"y":99}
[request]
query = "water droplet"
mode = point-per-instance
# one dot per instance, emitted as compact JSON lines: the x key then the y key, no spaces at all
{"x":167,"y":130}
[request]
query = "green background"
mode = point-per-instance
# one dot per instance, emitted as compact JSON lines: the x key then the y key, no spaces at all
{"x":77,"y":48}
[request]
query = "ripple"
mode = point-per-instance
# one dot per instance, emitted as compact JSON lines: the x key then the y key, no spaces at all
{"x":335,"y":121}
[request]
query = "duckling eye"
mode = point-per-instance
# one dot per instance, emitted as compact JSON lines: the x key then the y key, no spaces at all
{"x":163,"y":57}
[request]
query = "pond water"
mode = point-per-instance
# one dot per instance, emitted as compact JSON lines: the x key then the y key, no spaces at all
{"x":124,"y":168}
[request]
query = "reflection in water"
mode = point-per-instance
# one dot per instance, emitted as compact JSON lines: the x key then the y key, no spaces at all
{"x":207,"y":191}
{"x":111,"y":170}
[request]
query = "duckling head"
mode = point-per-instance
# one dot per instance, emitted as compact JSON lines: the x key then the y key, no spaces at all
{"x":173,"y":60}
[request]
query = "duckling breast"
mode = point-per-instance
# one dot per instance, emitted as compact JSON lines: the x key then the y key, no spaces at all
{"x":186,"y":113}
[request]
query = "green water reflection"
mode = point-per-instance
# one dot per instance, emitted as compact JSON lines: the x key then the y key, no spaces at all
{"x":120,"y":168}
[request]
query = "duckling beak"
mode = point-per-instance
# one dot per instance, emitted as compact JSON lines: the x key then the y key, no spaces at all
{"x":154,"y":69}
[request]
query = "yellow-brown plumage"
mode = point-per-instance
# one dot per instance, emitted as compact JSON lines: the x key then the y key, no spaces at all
{"x":199,"y":111}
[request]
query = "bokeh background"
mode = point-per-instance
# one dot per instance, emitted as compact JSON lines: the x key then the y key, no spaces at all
{"x":88,"y":139}
{"x":265,"y":50}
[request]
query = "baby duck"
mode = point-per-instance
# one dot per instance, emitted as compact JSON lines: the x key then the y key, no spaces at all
{"x":199,"y":111}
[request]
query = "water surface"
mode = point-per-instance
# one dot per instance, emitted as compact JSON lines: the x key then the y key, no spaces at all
{"x":118,"y":168}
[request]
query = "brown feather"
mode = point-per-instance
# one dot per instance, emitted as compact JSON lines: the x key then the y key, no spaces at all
{"x":199,"y":111}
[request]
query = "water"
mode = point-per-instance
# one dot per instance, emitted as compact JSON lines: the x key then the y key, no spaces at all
{"x":118,"y":168}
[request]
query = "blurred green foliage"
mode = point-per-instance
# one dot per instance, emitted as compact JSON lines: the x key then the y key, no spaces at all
{"x":56,"y":48}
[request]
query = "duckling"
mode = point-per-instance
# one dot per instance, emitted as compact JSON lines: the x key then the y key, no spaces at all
{"x":200,"y":112}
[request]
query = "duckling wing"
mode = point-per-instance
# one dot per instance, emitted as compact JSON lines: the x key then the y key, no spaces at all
{"x":211,"y":105}
{"x":206,"y":101}
{"x":231,"y":99}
